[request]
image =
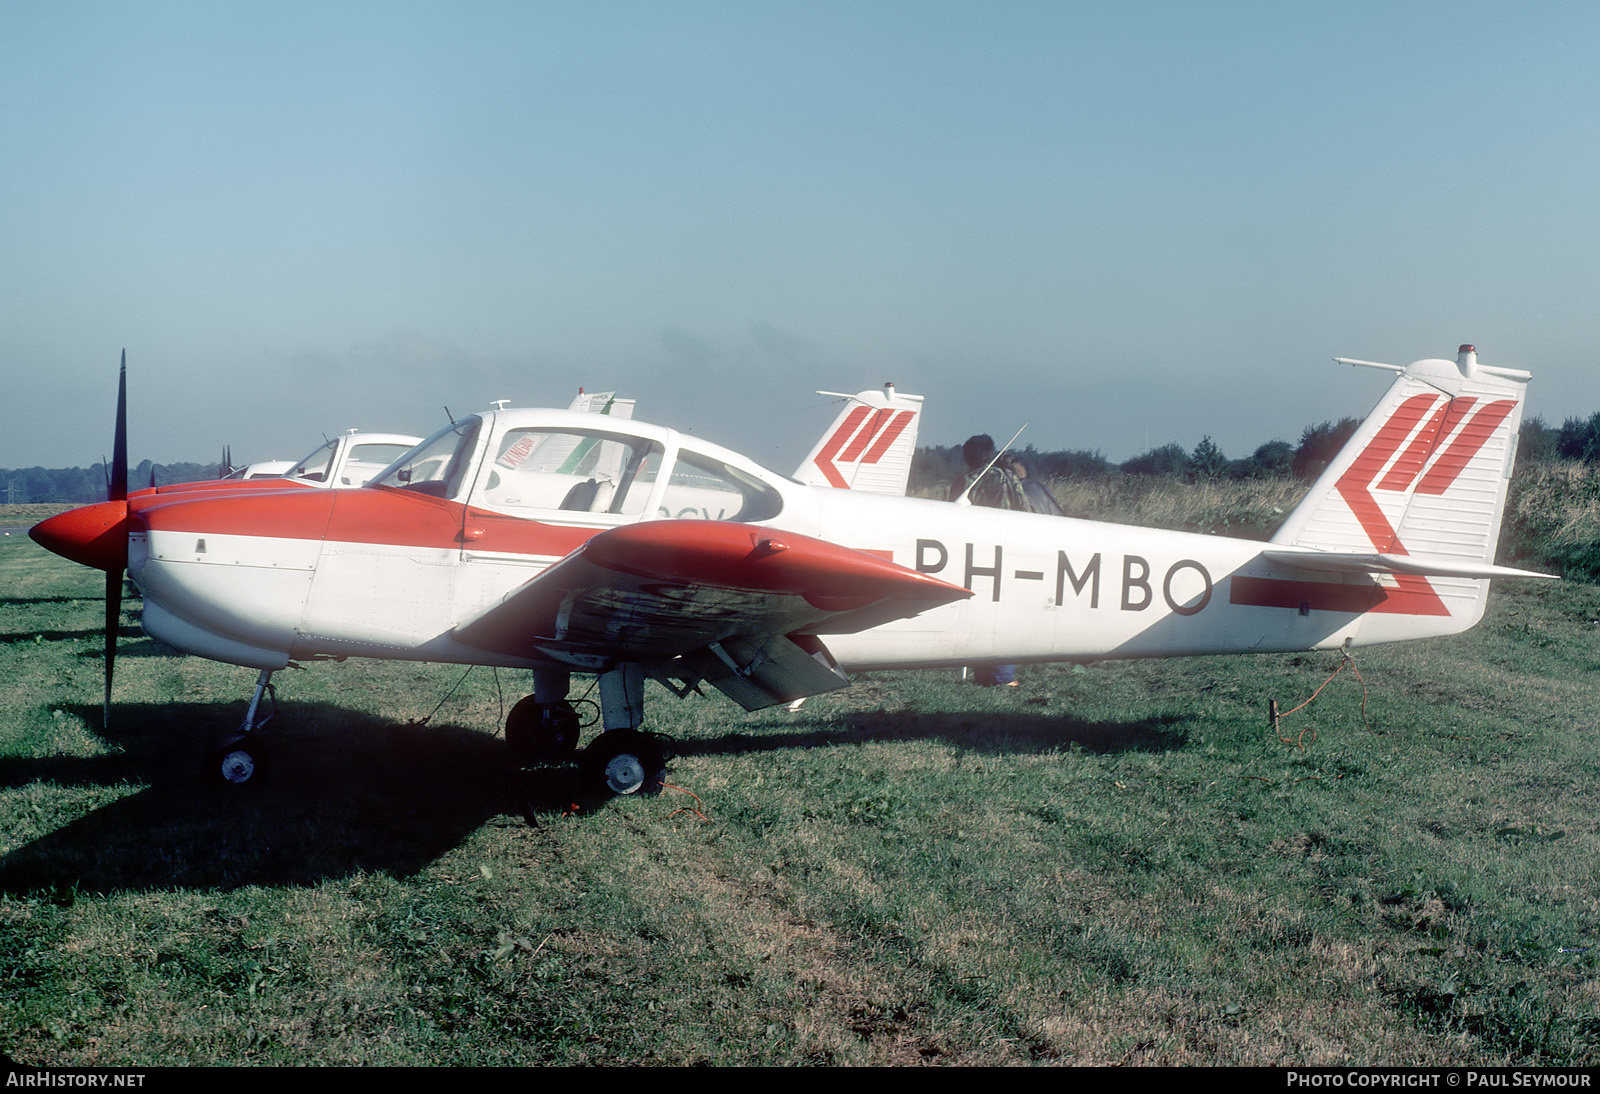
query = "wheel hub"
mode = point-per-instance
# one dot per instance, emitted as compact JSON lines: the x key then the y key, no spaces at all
{"x":238,"y":766}
{"x":624,"y":774}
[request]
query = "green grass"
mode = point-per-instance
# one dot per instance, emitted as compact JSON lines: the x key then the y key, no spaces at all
{"x":1113,"y":864}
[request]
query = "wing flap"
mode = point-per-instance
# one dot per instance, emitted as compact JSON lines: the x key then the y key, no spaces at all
{"x":757,"y":673}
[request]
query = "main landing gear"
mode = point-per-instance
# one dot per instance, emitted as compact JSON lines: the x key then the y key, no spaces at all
{"x":543,"y":728}
{"x":240,"y":759}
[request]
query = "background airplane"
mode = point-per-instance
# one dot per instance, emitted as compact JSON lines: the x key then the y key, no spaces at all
{"x":555,"y":541}
{"x":350,"y":459}
{"x":869,"y":446}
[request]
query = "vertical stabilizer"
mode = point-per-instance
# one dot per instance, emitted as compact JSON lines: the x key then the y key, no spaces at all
{"x":602,"y":402}
{"x":1423,"y":480}
{"x":869,"y":445}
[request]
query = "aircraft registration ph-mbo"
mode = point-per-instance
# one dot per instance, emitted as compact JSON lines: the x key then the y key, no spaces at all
{"x":564,"y":543}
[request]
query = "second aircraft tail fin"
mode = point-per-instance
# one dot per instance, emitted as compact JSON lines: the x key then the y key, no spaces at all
{"x":869,"y":445}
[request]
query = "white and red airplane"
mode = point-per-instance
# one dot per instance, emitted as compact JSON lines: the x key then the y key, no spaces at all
{"x":553,"y":541}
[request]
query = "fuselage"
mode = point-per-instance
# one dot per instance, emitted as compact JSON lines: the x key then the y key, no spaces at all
{"x":261,"y":577}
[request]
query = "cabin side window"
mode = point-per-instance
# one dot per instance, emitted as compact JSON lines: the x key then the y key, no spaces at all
{"x":703,"y":488}
{"x":575,"y":471}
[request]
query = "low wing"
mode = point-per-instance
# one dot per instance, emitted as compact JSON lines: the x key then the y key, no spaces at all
{"x":736,"y":605}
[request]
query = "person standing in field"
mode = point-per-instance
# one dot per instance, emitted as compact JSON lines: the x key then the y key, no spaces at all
{"x":1040,"y":500}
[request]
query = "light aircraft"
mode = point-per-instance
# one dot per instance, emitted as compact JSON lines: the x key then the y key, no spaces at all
{"x":553,"y":541}
{"x":350,"y":459}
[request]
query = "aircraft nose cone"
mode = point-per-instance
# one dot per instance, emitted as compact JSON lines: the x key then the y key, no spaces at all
{"x":94,"y":535}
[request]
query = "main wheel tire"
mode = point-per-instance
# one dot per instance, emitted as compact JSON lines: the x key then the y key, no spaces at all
{"x":541,"y":732}
{"x":622,"y":762}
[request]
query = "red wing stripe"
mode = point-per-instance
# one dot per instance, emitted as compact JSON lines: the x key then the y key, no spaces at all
{"x":1473,"y":436}
{"x":889,"y":436}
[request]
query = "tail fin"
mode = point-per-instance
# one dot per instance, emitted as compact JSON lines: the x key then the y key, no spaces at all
{"x":602,"y":402}
{"x":1416,"y":497}
{"x":869,"y":445}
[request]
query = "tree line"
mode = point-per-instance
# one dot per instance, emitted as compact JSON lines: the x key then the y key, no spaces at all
{"x":936,"y":466}
{"x":81,"y":485}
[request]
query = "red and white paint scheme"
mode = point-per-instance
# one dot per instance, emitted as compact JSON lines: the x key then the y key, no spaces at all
{"x":869,"y":445}
{"x":558,"y":542}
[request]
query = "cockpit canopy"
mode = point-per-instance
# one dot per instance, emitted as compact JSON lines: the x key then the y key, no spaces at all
{"x":555,"y":465}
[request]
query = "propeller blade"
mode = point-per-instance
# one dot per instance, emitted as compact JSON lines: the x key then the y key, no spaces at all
{"x":119,"y":492}
{"x":119,"y":445}
{"x":113,"y":624}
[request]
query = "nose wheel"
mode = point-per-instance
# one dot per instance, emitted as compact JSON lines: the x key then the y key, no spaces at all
{"x":240,"y":759}
{"x":237,"y":762}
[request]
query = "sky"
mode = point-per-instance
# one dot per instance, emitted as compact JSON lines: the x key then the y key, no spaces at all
{"x":1120,"y":224}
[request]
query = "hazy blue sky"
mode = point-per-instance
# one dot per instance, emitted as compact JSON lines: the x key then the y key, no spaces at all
{"x":1123,"y":223}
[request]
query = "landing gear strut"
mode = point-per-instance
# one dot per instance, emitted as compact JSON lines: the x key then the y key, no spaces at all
{"x":543,"y":728}
{"x":624,"y":759}
{"x":239,"y":759}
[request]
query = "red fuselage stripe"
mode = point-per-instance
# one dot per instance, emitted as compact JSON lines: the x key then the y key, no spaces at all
{"x":1325,"y":596}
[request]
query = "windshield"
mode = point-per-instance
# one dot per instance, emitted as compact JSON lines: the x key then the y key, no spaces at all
{"x":315,"y":466}
{"x":437,"y":464}
{"x":366,"y":460}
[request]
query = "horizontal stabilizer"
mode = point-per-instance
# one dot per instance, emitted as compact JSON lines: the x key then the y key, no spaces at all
{"x":1355,"y":562}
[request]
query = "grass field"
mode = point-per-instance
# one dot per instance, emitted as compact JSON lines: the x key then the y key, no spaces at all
{"x":1113,"y":864}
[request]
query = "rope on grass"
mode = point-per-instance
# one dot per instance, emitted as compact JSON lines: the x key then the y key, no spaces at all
{"x":1300,"y":740}
{"x":451,"y":692}
{"x":686,"y":809}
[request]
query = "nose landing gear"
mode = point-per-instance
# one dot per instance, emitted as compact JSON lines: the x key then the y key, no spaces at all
{"x":240,"y":758}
